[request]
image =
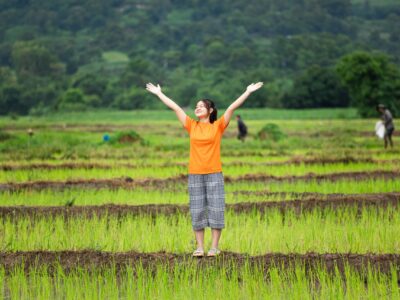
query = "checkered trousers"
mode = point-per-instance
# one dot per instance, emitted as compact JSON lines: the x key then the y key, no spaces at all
{"x":207,"y":200}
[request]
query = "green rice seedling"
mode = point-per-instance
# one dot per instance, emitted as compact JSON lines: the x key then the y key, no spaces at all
{"x":102,"y":116}
{"x":346,"y":186}
{"x":326,"y":231}
{"x":190,"y":282}
{"x":237,"y":192}
{"x":173,"y":171}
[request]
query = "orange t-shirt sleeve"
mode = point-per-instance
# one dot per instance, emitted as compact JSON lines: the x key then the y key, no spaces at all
{"x":221,"y":124}
{"x":188,"y":123}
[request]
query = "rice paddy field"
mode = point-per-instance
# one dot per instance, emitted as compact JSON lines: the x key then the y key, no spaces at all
{"x":312,"y":215}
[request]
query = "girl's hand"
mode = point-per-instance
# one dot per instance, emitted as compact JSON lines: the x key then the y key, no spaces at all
{"x":254,"y":87}
{"x":156,"y":90}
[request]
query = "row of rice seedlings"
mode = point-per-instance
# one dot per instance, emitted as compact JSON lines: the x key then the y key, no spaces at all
{"x":342,"y":186}
{"x":309,"y":117}
{"x":183,"y":282}
{"x":160,"y":145}
{"x":263,"y":155}
{"x":305,"y":134}
{"x":171,"y":171}
{"x":137,"y":154}
{"x":299,"y":123}
{"x":303,"y":128}
{"x":134,"y":163}
{"x":172,"y":148}
{"x":323,"y":231}
{"x":237,"y":192}
{"x":230,"y":161}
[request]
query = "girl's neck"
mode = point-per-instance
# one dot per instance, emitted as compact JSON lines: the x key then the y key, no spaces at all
{"x":204,"y":120}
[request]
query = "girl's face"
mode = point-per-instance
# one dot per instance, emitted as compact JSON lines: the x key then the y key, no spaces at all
{"x":201,"y":110}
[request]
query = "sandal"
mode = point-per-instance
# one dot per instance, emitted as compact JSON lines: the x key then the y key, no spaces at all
{"x":198,"y":253}
{"x":213,"y":252}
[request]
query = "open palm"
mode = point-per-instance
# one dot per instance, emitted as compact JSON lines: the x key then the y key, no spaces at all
{"x":254,"y":86}
{"x":153,"y":89}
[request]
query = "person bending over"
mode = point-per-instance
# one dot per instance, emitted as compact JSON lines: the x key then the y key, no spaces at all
{"x":387,"y":119}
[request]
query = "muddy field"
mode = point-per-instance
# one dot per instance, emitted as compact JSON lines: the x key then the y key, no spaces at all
{"x":71,"y":260}
{"x":293,"y":161}
{"x":306,"y":203}
{"x":129,"y":183}
{"x":171,"y":129}
{"x":334,"y":183}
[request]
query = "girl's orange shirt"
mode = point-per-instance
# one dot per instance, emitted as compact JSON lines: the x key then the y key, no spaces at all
{"x":205,"y":144}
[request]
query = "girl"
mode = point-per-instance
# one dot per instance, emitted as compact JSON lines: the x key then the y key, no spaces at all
{"x":206,"y":183}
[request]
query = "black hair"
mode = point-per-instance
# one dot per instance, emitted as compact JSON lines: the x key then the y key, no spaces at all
{"x":380,"y":106}
{"x":210,"y":104}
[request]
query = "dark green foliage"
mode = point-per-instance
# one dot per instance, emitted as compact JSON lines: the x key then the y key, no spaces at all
{"x":31,"y":59}
{"x":90,"y":84}
{"x":272,"y":132}
{"x":72,"y":100}
{"x":317,"y":87}
{"x":135,"y":98}
{"x":195,"y":49}
{"x":11,"y":100}
{"x":371,"y":79}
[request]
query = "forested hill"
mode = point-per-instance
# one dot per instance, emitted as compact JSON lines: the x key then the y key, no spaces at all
{"x":68,"y":54}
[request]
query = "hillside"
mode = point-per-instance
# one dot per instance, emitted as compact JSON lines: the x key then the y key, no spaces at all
{"x":100,"y":53}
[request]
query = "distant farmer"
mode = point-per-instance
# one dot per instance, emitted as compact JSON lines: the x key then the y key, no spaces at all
{"x":30,"y":132}
{"x":387,"y":120}
{"x":242,"y":128}
{"x":205,"y":182}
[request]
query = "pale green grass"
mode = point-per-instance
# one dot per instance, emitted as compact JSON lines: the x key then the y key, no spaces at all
{"x":103,"y":116}
{"x":177,"y":194}
{"x":247,"y":154}
{"x":172,"y":171}
{"x":188,"y":282}
{"x":323,"y":231}
{"x":166,"y":139}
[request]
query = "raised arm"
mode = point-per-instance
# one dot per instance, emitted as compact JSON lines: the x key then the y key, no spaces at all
{"x":239,"y":101}
{"x":156,"y":90}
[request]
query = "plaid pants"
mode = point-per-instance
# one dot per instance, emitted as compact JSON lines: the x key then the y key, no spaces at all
{"x":207,"y":200}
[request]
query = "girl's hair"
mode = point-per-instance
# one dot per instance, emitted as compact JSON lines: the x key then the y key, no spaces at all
{"x":210,"y":104}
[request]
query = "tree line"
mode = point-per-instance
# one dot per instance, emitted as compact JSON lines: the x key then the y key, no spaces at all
{"x":69,"y":55}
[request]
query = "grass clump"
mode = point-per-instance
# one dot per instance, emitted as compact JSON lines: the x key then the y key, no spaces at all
{"x":127,"y":137}
{"x":271,"y":131}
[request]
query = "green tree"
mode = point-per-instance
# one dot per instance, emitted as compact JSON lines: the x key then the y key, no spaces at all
{"x":138,"y":73}
{"x":32,"y":59}
{"x":337,"y":8}
{"x":215,"y":53}
{"x":135,"y":98}
{"x":72,"y":100}
{"x":7,"y":76}
{"x":11,"y":100}
{"x":317,"y":87}
{"x":90,"y":84}
{"x":42,"y":95}
{"x":371,"y":79}
{"x":242,"y":57}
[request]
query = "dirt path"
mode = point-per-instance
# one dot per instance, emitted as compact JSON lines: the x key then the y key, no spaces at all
{"x":129,"y":183}
{"x":298,"y":205}
{"x":70,"y":260}
{"x":105,"y":166}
